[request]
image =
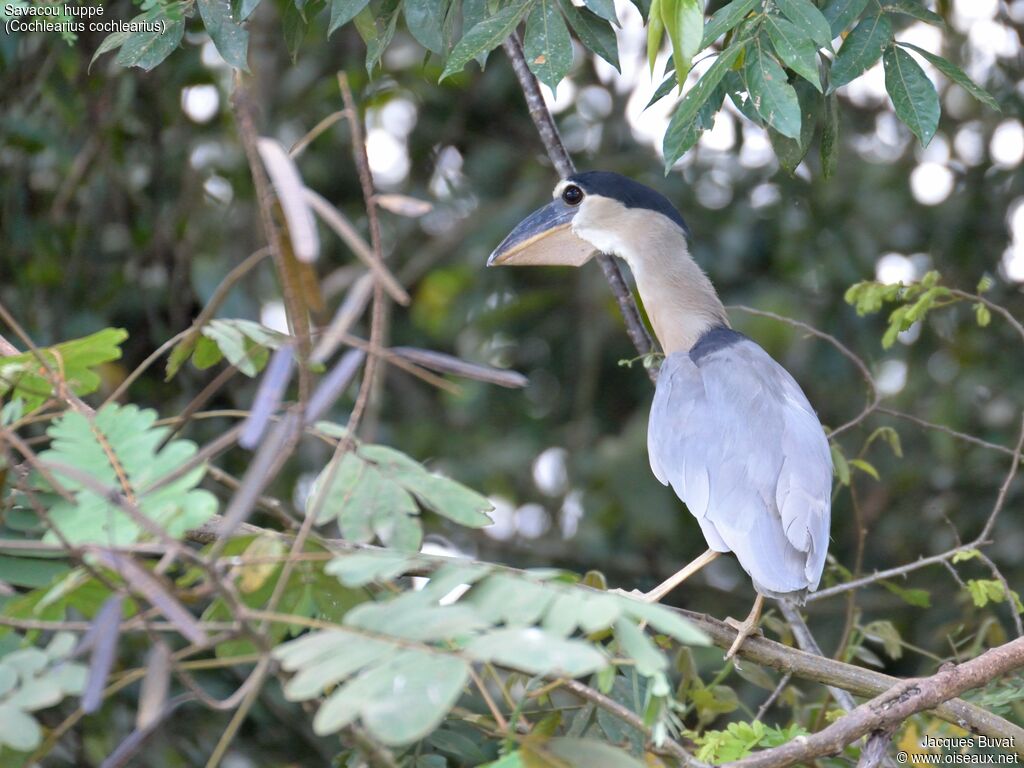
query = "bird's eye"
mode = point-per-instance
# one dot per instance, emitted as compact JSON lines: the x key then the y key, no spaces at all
{"x":572,"y":195}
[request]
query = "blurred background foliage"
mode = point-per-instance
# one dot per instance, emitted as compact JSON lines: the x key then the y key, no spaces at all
{"x":126,"y":198}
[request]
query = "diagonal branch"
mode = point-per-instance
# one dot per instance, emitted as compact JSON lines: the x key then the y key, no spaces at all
{"x":903,"y":700}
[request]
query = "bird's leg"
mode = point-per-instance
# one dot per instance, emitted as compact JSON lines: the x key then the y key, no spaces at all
{"x":745,"y":628}
{"x":655,"y":595}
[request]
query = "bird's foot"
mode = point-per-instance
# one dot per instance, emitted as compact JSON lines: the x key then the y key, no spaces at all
{"x":744,"y":629}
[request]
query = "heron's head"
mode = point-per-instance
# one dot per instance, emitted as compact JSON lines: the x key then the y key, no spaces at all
{"x":591,"y":212}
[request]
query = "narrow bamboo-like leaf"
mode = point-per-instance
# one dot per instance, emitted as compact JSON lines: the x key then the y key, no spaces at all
{"x":808,"y":19}
{"x":796,"y":50}
{"x":861,"y":49}
{"x":438,"y":361}
{"x":726,"y":18}
{"x":103,"y":634}
{"x":957,"y":75}
{"x":595,"y":33}
{"x":268,"y":397}
{"x":289,"y":188}
{"x":914,"y":9}
{"x":485,"y":36}
{"x":153,"y":694}
{"x":547,"y":45}
{"x":425,"y":19}
{"x":841,"y":13}
{"x":343,"y":11}
{"x":153,"y":590}
{"x":773,"y":97}
{"x":227,"y":33}
{"x":680,"y":128}
{"x":913,"y":94}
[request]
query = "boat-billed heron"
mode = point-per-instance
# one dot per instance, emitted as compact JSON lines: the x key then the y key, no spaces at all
{"x":730,"y":429}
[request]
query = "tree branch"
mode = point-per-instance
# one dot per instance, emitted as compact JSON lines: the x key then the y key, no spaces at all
{"x":564,"y":165}
{"x":900,"y":702}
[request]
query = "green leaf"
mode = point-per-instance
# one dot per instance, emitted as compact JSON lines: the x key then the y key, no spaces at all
{"x":377,"y":28}
{"x":920,"y":598}
{"x":797,"y":51}
{"x":725,"y":18}
{"x":890,"y":436}
{"x":655,"y":31}
{"x":603,"y":8}
{"x":684,"y":22}
{"x":808,"y":19}
{"x":343,"y":11}
{"x":865,"y":467}
{"x":228,"y":34}
{"x":914,"y":9}
{"x":538,"y":652}
{"x":860,"y":50}
{"x":246,"y":344}
{"x":362,"y":568}
{"x":18,"y":730}
{"x":485,"y":36}
{"x":841,"y":13}
{"x":984,"y":591}
{"x":366,"y":503}
{"x":338,"y":661}
{"x":637,"y":646}
{"x":839,"y":464}
{"x":438,"y":494}
{"x":773,"y":97}
{"x":121,"y":443}
{"x":593,"y":32}
{"x":425,"y":19}
{"x":957,"y":75}
{"x":590,"y":753}
{"x":147,"y":49}
{"x":30,"y":571}
{"x":665,"y":621}
{"x":547,"y":45}
{"x":681,"y":127}
{"x":111,"y":42}
{"x":964,"y":555}
{"x":73,"y":361}
{"x":791,"y":152}
{"x":399,"y":701}
{"x":913,"y":94}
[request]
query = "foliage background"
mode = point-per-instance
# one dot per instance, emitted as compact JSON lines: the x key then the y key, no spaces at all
{"x":124,"y":202}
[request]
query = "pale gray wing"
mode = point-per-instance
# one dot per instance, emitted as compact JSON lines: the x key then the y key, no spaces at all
{"x":734,"y":435}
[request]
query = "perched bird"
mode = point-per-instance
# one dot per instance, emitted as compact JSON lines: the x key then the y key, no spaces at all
{"x":730,"y":429}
